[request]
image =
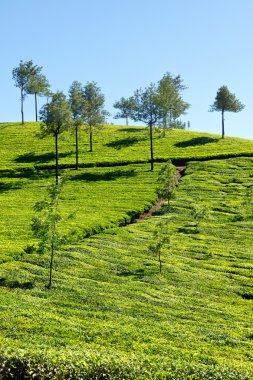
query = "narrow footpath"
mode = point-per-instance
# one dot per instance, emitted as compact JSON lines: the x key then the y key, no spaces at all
{"x":150,"y":212}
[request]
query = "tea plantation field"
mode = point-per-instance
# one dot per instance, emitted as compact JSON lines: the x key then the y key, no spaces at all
{"x":110,"y":314}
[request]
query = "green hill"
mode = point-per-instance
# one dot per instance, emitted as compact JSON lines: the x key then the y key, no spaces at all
{"x":110,"y":314}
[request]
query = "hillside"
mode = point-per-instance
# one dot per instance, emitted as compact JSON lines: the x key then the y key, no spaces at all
{"x":110,"y":314}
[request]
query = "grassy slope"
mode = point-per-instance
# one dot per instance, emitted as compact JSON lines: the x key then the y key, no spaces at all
{"x":21,"y":148}
{"x":108,"y":299}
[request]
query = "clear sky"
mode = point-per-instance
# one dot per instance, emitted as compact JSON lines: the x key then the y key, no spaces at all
{"x":126,"y":44}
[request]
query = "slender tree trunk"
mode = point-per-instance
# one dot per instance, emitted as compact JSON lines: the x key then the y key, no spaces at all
{"x":127,"y":120}
{"x":164,"y":124}
{"x":36,"y":108}
{"x":222,"y":121}
{"x":56,"y":159}
{"x":51,"y":263}
{"x":76,"y":147}
{"x":22,"y":105}
{"x":90,"y":139}
{"x":151,"y":147}
{"x":160,"y":261}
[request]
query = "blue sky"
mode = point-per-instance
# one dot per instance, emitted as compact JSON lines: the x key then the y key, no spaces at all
{"x":126,"y":44}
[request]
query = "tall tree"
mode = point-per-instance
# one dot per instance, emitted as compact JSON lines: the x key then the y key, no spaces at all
{"x":37,"y":85}
{"x":170,"y":100}
{"x":125,"y":107}
{"x":225,"y":101}
{"x":94,"y":113}
{"x":147,"y":110}
{"x":22,"y":75}
{"x":76,"y":101}
{"x":56,"y":118}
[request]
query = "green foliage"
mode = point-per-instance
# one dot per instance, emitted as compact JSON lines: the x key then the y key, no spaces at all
{"x":199,"y":213}
{"x":170,"y":100}
{"x":45,"y":223}
{"x":167,"y":181}
{"x":125,"y":106}
{"x":56,"y":118}
{"x":160,"y":238}
{"x":56,"y":115}
{"x":23,"y":75}
{"x":226,"y":101}
{"x":37,"y":85}
{"x":93,"y":108}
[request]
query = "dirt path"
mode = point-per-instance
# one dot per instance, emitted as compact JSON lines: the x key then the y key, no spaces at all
{"x":149,"y":213}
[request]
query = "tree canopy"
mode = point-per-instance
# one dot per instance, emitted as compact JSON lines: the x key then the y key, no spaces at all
{"x":22,"y":75}
{"x":56,"y":118}
{"x":225,"y":101}
{"x":93,"y":108}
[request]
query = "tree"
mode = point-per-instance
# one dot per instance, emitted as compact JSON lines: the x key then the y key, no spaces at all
{"x":56,"y":118}
{"x":167,"y":181}
{"x":125,"y":105}
{"x":160,"y":238}
{"x":45,"y":224}
{"x":93,"y":111}
{"x":22,"y":75}
{"x":147,"y":110}
{"x":199,"y":213}
{"x":225,"y":101}
{"x":76,"y":101}
{"x":170,"y":100}
{"x":37,"y":85}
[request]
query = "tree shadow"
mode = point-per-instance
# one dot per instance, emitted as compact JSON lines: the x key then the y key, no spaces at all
{"x":109,"y":176}
{"x":131,"y":129}
{"x":196,"y":141}
{"x":10,"y":186}
{"x":14,"y":284}
{"x":138,"y":273}
{"x":123,"y":143}
{"x":25,"y":173}
{"x":39,"y":158}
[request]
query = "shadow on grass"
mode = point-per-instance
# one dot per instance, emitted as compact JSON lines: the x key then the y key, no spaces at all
{"x":131,"y":130}
{"x":196,"y":141}
{"x":16,"y":284}
{"x":109,"y":176}
{"x":124,"y":143}
{"x":39,"y":158}
{"x":10,"y":186}
{"x":139,"y":273}
{"x":26,"y":173}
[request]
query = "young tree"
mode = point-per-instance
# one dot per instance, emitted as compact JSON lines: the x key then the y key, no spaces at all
{"x":160,"y":238}
{"x":22,"y":75}
{"x":225,"y":101}
{"x":76,"y":101}
{"x":199,"y":213}
{"x":56,"y":118}
{"x":167,"y":181}
{"x":125,"y":106}
{"x":147,"y":110}
{"x":37,"y":85}
{"x":45,"y":224}
{"x":93,"y":111}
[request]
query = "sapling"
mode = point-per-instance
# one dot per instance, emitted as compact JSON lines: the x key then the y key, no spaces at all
{"x":160,"y":238}
{"x":167,"y":181}
{"x":199,"y":213}
{"x":45,"y":224}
